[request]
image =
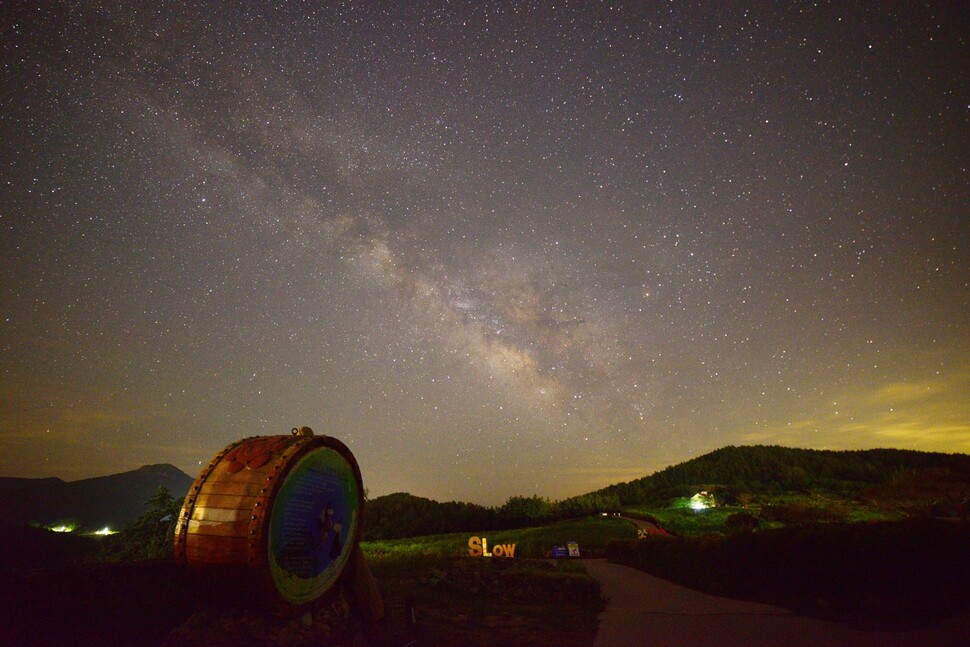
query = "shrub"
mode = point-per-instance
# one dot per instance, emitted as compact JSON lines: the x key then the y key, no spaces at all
{"x":742,"y":522}
{"x":800,"y":514}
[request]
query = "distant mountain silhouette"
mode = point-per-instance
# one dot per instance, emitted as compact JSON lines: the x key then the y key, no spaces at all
{"x":112,"y":501}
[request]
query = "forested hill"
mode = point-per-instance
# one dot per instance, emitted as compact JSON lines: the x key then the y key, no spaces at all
{"x":779,"y":469}
{"x":730,"y":472}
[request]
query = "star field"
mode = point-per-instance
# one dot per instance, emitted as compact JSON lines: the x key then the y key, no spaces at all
{"x":495,"y":248}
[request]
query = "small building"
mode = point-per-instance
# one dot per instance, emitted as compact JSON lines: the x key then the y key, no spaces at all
{"x":702,"y":501}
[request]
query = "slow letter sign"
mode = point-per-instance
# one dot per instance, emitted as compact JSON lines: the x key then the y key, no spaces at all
{"x":478,"y":547}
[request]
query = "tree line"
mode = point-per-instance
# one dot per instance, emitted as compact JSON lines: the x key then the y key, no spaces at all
{"x":771,"y":469}
{"x":399,"y":515}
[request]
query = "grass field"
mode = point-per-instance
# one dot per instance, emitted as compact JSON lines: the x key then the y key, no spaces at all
{"x":526,"y":600}
{"x":686,"y":522}
{"x":591,"y":533}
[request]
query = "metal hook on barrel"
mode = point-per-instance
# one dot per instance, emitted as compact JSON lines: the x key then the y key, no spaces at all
{"x":302,"y":431}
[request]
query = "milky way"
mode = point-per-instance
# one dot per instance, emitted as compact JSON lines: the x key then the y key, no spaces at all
{"x":495,"y":249}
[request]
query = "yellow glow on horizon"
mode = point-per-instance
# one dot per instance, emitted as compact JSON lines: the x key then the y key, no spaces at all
{"x":928,"y":415}
{"x":61,"y":528}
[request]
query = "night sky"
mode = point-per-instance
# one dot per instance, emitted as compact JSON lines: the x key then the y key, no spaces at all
{"x":496,"y":249}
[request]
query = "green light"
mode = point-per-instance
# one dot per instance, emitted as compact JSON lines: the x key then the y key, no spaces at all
{"x":62,"y":528}
{"x":702,"y":501}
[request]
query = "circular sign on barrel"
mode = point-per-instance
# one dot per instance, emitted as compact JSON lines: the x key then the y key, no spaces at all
{"x":284,"y":511}
{"x":314,"y":521}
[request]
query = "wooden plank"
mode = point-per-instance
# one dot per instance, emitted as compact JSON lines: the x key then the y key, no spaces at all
{"x":202,"y":549}
{"x":236,"y":487}
{"x":222,"y":529}
{"x":229,"y":501}
{"x":221,"y":471}
{"x":220,"y":515}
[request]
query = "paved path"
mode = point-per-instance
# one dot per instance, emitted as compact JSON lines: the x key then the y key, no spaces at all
{"x":646,"y":526}
{"x":647,"y":611}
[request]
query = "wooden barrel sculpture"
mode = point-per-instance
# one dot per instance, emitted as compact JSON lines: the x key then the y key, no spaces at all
{"x":283,"y":510}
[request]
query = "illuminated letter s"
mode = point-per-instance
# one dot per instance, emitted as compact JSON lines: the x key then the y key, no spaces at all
{"x":474,"y":547}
